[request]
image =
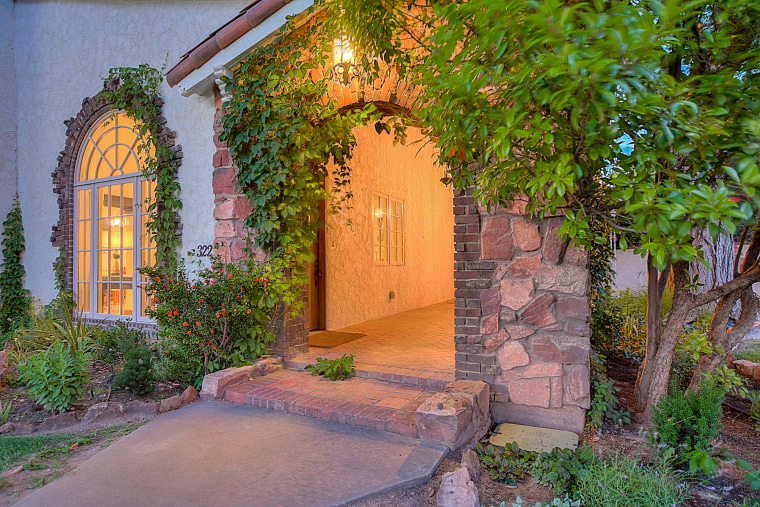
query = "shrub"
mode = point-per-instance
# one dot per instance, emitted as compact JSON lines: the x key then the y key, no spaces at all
{"x":218,"y":320}
{"x":137,"y":375}
{"x":55,"y":377}
{"x":625,"y":483}
{"x":557,"y":502}
{"x":15,"y":301}
{"x":604,"y":401}
{"x":45,"y":330}
{"x":334,"y":369}
{"x":687,"y":423}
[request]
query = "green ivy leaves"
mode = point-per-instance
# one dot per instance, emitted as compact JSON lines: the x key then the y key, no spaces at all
{"x":14,"y":298}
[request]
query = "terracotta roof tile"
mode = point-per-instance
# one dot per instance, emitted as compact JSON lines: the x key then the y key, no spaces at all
{"x":248,"y":18}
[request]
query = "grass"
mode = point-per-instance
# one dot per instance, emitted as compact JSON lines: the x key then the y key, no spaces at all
{"x":623,"y":482}
{"x":56,"y":447}
{"x":13,"y":450}
{"x":751,"y":354}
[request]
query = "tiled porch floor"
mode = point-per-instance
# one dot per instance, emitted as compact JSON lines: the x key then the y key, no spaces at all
{"x":414,"y":347}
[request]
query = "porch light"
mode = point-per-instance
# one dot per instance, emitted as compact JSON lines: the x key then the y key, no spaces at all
{"x":344,"y":68}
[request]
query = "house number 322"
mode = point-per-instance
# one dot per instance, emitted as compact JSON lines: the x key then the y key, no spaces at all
{"x":204,"y":250}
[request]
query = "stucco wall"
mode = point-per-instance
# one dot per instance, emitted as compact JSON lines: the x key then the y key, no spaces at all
{"x":8,"y":108}
{"x":63,"y":49}
{"x":356,"y":288}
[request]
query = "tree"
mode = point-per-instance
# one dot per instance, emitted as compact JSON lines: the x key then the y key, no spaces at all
{"x":541,"y":96}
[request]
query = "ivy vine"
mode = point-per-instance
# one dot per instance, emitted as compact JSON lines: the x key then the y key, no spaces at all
{"x":282,"y":132}
{"x":134,"y":90}
{"x":15,"y":300}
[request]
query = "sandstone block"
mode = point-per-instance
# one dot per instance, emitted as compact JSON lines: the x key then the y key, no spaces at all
{"x":747,"y":368}
{"x":543,"y":370}
{"x":58,"y":422}
{"x":534,"y":392}
{"x":224,"y":229}
{"x":221,"y":158}
{"x":490,"y":301}
{"x":576,"y":386}
{"x":456,"y":418}
{"x":517,"y":332}
{"x":552,"y":241}
{"x":20,"y":428}
{"x":526,"y":235}
{"x":496,"y":241}
{"x":103,"y":412}
{"x":559,"y":349}
{"x":569,"y":417}
{"x":236,"y":207}
{"x":576,"y":257}
{"x":471,"y":462}
{"x":516,"y":293}
{"x":496,"y":341}
{"x":512,"y":355}
{"x":223,"y":181}
{"x":168,"y":404}
{"x":574,"y":307}
{"x":525,"y":267}
{"x":189,"y":395}
{"x":567,"y":279}
{"x":539,"y":312}
{"x":557,"y":392}
{"x":490,"y":324}
{"x":137,"y":410}
{"x":457,"y":490}
{"x":215,"y":383}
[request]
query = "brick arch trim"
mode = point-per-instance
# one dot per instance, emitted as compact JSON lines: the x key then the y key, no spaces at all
{"x":388,"y":92}
{"x":93,"y":108}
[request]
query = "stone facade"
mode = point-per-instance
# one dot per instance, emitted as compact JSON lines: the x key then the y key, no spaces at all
{"x":521,"y":314}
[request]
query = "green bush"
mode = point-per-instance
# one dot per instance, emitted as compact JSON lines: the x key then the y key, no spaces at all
{"x":115,"y":341}
{"x":623,"y":482}
{"x":218,"y":320}
{"x":557,"y":502}
{"x":334,"y":369}
{"x":57,"y":326}
{"x":55,"y":377}
{"x":604,"y":401}
{"x":507,"y":464}
{"x":15,"y":301}
{"x":137,"y":375}
{"x":688,"y":423}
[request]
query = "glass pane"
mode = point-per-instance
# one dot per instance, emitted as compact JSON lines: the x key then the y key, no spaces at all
{"x":83,"y":297}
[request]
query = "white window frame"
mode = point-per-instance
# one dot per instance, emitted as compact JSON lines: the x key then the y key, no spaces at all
{"x":382,"y":221}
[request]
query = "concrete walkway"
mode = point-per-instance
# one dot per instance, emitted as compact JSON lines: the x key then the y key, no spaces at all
{"x":222,"y":454}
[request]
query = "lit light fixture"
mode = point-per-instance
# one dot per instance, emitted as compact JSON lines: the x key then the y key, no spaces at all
{"x":116,"y":222}
{"x":344,"y":69}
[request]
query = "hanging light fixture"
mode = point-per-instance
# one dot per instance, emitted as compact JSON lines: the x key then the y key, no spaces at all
{"x":344,"y":69}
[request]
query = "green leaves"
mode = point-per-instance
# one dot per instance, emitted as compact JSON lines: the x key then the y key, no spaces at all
{"x":15,"y":300}
{"x":335,"y":369}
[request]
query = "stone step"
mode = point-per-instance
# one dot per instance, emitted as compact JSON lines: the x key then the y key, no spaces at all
{"x":370,"y":403}
{"x":406,"y":376}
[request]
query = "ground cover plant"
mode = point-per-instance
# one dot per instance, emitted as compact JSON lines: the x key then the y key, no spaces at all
{"x":339,"y":368}
{"x":14,"y":450}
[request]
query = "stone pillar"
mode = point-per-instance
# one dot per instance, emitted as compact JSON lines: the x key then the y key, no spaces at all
{"x":521,"y":315}
{"x":232,"y":239}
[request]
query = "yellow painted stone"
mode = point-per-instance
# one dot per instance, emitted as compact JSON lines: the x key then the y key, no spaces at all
{"x":533,"y":439}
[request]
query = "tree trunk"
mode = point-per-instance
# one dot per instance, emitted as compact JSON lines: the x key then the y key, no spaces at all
{"x":662,"y":360}
{"x":719,"y":255}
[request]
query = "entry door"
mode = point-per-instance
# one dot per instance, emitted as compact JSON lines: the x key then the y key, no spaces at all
{"x":317,"y":280}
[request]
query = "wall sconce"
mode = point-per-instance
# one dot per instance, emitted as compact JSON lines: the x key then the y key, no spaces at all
{"x":344,"y":69}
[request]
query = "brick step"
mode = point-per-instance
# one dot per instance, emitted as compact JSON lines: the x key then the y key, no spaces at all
{"x":406,"y":376}
{"x":357,"y":401}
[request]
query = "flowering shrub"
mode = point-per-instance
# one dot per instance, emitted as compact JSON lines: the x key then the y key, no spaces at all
{"x":219,"y":319}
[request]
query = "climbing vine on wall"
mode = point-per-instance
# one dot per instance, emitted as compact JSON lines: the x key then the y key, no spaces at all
{"x":134,"y":90}
{"x":14,"y":298}
{"x":282,"y":132}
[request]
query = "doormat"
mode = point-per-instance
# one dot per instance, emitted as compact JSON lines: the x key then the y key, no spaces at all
{"x":330,"y":339}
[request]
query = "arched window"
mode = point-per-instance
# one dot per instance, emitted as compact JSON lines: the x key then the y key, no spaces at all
{"x":110,"y":214}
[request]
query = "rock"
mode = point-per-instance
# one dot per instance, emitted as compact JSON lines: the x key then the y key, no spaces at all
{"x":534,"y":392}
{"x":58,"y":422}
{"x":496,"y":238}
{"x":539,"y":312}
{"x":525,"y":235}
{"x":456,"y":418}
{"x":168,"y":404}
{"x":103,"y":412}
{"x":22,"y":428}
{"x":490,"y":324}
{"x":512,"y":355}
{"x":495,"y":342}
{"x":269,"y":364}
{"x":524,"y":267}
{"x":516,"y":293}
{"x":747,"y":368}
{"x":577,"y":389}
{"x":215,"y":383}
{"x":12,"y":471}
{"x":570,"y":280}
{"x":457,"y":490}
{"x":189,"y":395}
{"x":490,"y":301}
{"x":137,"y":410}
{"x":6,"y":428}
{"x":472,"y":463}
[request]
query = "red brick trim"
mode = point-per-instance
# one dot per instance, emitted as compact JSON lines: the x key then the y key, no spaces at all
{"x":93,"y":108}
